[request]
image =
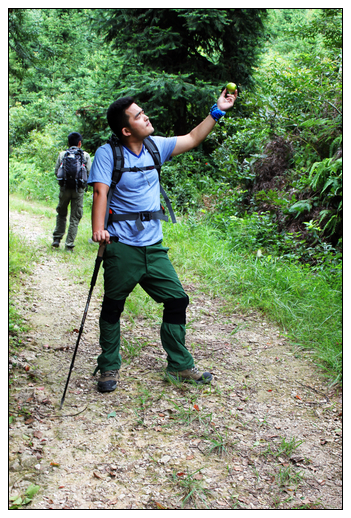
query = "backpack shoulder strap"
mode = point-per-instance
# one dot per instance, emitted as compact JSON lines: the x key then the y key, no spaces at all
{"x":118,"y":160}
{"x":154,"y":152}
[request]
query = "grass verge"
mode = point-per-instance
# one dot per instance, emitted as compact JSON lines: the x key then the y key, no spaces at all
{"x":21,"y":260}
{"x":305,"y":304}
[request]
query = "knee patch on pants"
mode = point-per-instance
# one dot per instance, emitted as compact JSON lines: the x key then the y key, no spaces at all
{"x":174,"y":310}
{"x":111,"y":309}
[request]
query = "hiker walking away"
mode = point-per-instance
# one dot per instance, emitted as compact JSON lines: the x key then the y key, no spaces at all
{"x":72,"y":171}
{"x":134,"y":252}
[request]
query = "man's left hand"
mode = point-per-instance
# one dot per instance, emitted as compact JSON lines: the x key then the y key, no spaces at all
{"x":225,"y":102}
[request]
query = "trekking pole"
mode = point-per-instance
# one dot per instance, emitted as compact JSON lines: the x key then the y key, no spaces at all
{"x":98,"y":261}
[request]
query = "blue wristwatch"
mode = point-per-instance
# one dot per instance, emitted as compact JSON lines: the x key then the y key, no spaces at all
{"x":216,"y":113}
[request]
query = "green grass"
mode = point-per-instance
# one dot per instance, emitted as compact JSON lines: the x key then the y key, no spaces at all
{"x":21,"y":262}
{"x":306,"y":305}
{"x":21,"y":256}
{"x":192,"y":489}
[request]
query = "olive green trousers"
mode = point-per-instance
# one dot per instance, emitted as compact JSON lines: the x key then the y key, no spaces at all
{"x":124,"y":267}
{"x":66,"y":197}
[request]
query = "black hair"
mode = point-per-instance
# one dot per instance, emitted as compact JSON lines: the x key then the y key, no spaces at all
{"x":74,"y":138}
{"x":116,"y":115}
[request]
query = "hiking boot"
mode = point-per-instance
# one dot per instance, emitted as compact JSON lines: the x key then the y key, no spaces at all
{"x":69,"y":248}
{"x":108,"y":381}
{"x":192,"y":375}
{"x":56,"y":243}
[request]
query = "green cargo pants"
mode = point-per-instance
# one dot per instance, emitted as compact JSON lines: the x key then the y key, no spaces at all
{"x":124,"y":267}
{"x":74,"y":197}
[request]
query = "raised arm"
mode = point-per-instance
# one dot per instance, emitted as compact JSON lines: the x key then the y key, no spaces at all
{"x":198,"y":134}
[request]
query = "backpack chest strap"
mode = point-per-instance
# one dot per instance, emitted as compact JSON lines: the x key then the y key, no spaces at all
{"x":135,"y":169}
{"x":139,"y":217}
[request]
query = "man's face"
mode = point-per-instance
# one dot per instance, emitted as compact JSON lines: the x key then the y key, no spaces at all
{"x":139,"y":125}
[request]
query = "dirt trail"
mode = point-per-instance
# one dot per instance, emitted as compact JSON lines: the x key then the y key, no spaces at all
{"x":265,"y":435}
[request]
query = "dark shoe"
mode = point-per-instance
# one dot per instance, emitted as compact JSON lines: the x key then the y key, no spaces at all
{"x":69,"y":248}
{"x":56,"y":243}
{"x":192,"y":375}
{"x":108,"y":381}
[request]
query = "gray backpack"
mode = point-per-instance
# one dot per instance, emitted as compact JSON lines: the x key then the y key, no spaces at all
{"x":72,"y":172}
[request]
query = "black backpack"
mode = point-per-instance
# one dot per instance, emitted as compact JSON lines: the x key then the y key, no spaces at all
{"x":72,"y":172}
{"x":119,"y":169}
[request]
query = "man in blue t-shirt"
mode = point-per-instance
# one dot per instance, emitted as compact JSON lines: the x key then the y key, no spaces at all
{"x":133,"y":256}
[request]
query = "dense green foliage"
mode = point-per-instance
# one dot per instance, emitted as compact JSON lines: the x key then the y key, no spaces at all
{"x":269,"y":177}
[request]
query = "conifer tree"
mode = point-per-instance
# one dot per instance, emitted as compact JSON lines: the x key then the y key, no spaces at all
{"x":175,"y":60}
